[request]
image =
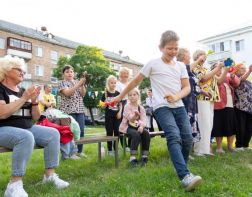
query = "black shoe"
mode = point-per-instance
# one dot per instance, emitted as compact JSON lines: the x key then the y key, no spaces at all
{"x":134,"y":162}
{"x":144,"y":161}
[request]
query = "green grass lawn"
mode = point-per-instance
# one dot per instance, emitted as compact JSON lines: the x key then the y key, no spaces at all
{"x":225,"y":175}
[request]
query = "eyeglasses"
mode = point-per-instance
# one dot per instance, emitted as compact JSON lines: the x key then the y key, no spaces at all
{"x":20,"y":70}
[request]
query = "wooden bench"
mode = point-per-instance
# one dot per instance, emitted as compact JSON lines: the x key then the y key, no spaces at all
{"x":99,"y":140}
{"x":88,"y":140}
{"x":152,"y":134}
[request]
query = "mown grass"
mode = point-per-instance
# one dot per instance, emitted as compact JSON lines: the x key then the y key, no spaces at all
{"x":224,"y":175}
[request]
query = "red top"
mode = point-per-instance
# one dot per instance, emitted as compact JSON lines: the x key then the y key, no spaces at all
{"x":232,"y":82}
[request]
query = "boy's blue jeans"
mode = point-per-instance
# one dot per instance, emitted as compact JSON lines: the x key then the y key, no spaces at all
{"x":22,"y":142}
{"x":178,"y":132}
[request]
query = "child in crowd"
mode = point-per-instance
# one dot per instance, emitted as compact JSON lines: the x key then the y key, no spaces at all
{"x":112,"y":113}
{"x":120,"y":85}
{"x":224,"y":116}
{"x":134,"y":123}
{"x":243,"y":109}
{"x":169,"y":82}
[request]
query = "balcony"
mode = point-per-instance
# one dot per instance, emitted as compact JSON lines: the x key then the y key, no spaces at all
{"x":21,"y":54}
{"x":220,"y":56}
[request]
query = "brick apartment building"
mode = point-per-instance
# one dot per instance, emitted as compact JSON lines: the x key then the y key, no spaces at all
{"x":41,"y":50}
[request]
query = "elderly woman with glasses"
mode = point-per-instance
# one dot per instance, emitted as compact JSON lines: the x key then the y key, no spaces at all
{"x":18,"y":108}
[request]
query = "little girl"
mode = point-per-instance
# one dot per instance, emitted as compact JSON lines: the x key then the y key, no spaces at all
{"x":134,"y":123}
{"x":112,"y":113}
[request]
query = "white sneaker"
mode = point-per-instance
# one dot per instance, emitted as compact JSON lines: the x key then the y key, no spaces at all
{"x":82,"y":155}
{"x":191,"y":181}
{"x":74,"y":157}
{"x":15,"y":189}
{"x":239,"y":149}
{"x":54,"y":178}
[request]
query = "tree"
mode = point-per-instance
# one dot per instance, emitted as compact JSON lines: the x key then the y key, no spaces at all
{"x":91,"y":60}
{"x":143,"y":87}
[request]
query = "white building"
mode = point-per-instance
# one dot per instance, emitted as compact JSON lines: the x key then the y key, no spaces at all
{"x":236,"y":44}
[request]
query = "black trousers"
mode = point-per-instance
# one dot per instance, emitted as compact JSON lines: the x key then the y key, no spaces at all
{"x":137,"y":138}
{"x":112,"y":128}
{"x":243,"y":128}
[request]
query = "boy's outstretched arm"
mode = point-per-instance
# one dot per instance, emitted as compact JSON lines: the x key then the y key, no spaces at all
{"x":132,"y":84}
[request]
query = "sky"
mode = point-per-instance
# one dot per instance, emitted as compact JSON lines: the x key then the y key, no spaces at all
{"x":133,"y":26}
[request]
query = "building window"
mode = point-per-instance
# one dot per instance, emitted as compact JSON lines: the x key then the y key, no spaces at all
{"x":39,"y":70}
{"x":2,"y":43}
{"x":227,"y":45}
{"x":239,"y":45}
{"x":222,"y":46}
{"x":212,"y":47}
{"x":39,"y":51}
{"x":217,"y":47}
{"x":115,"y":66}
{"x":19,"y":44}
{"x":54,"y":57}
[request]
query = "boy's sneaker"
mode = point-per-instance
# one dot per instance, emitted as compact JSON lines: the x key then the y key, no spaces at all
{"x":15,"y":189}
{"x":54,"y":178}
{"x":74,"y":157}
{"x":190,"y":181}
{"x":144,"y":161}
{"x":134,"y":162}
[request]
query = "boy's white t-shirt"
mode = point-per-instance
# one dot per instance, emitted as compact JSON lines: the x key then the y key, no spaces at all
{"x":119,"y":87}
{"x":165,"y":79}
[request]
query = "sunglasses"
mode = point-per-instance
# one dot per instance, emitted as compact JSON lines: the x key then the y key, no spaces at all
{"x":20,"y":70}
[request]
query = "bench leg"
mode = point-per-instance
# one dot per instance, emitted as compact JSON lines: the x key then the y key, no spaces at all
{"x":124,"y":145}
{"x":116,"y":154}
{"x":99,"y":151}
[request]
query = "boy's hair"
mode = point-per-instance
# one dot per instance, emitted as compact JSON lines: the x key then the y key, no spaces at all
{"x":138,"y":93}
{"x":123,"y":70}
{"x":67,"y":67}
{"x":181,"y":54}
{"x":167,"y":37}
{"x":108,"y":79}
{"x":198,"y":53}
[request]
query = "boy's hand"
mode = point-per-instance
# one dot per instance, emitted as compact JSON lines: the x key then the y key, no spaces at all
{"x":116,"y":99}
{"x":171,"y":98}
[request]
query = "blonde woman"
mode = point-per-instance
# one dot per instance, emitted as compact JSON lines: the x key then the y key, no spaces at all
{"x":120,"y":85}
{"x":17,"y":132}
{"x":134,"y":123}
{"x":112,"y":113}
{"x":209,"y":94}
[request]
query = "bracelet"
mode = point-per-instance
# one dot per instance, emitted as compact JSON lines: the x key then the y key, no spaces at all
{"x":34,"y":104}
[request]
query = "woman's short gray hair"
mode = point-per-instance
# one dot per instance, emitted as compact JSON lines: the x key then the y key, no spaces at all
{"x":181,"y":54}
{"x":7,"y":63}
{"x":167,"y":37}
{"x":197,"y":54}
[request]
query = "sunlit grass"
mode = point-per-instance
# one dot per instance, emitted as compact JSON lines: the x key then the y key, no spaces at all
{"x":229,"y":174}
